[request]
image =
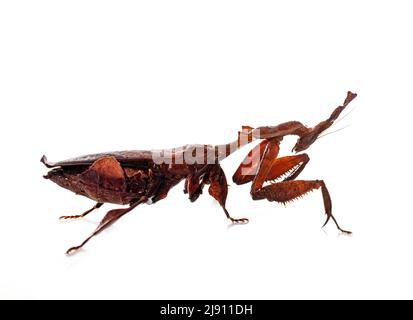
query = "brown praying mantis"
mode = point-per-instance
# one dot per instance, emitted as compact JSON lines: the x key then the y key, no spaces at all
{"x":135,"y":177}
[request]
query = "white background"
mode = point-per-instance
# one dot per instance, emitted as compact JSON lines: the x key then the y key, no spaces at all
{"x":82,"y":77}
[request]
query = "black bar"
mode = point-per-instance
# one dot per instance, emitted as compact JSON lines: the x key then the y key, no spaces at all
{"x":204,"y":309}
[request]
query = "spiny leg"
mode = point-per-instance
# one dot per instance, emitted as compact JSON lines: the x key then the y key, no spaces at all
{"x":107,"y":220}
{"x":96,"y":206}
{"x":219,"y":190}
{"x":288,"y":167}
{"x":287,"y":190}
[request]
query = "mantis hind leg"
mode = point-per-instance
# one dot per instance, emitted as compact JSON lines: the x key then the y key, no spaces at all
{"x":288,"y":191}
{"x":78,"y":216}
{"x":107,"y":220}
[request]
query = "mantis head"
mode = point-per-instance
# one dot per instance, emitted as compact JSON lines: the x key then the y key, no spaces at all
{"x":309,"y":136}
